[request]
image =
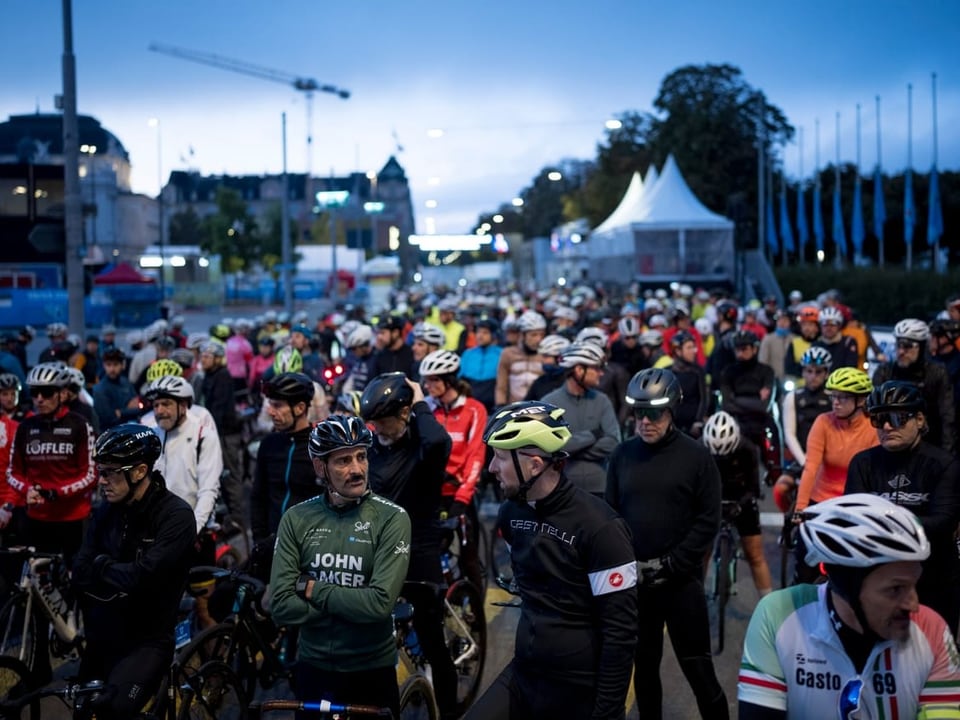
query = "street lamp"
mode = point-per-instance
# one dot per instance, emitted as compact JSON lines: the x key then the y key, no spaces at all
{"x":371,"y":208}
{"x":90,"y":151}
{"x":330,"y":200}
{"x":155,"y":122}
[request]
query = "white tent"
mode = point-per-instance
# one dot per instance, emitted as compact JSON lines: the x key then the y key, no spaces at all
{"x":667,"y":235}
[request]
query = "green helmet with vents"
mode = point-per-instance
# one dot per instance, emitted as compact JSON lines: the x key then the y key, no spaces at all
{"x":528,"y":424}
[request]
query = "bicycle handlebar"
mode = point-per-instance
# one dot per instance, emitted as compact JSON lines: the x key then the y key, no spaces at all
{"x":31,"y":551}
{"x":218,"y":573}
{"x":323,"y":706}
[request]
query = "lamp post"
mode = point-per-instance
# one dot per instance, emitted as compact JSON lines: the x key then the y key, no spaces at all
{"x":371,"y":208}
{"x":90,"y":151}
{"x":73,"y":212}
{"x":330,"y":200}
{"x":155,"y":122}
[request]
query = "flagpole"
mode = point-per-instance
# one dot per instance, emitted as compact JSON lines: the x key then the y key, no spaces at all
{"x":878,"y":188}
{"x":907,"y":232}
{"x":817,"y":233}
{"x":801,"y":249}
{"x":783,"y":189}
{"x":936,"y":245}
{"x":857,"y":252}
{"x":761,"y":194}
{"x":837,"y":258}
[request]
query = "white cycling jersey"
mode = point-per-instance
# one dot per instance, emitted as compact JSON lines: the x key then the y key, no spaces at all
{"x":793,"y":660}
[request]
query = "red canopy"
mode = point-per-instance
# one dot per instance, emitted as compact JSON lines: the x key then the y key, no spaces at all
{"x":122,"y":274}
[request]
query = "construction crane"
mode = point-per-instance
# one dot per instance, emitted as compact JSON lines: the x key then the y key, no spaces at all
{"x":308,"y":86}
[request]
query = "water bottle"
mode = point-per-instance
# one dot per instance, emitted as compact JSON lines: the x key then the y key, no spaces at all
{"x":445,"y":564}
{"x":412,"y":643}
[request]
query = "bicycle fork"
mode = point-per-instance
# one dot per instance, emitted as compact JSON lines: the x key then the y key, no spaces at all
{"x":464,"y":632}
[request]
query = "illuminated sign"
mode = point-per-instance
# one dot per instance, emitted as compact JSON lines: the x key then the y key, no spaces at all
{"x":447,"y":243}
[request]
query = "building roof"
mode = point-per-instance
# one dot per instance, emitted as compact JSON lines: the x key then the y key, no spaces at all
{"x":32,"y":138}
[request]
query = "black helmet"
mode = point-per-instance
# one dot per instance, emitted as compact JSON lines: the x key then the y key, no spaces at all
{"x":895,"y":395}
{"x":336,"y":433}
{"x":127,"y":444}
{"x":745,"y":338}
{"x":292,"y":387}
{"x":728,"y":311}
{"x":9,"y":381}
{"x":385,"y":396}
{"x":679,"y":338}
{"x":63,"y":350}
{"x":944,"y":327}
{"x":654,"y":388}
{"x":488,"y":323}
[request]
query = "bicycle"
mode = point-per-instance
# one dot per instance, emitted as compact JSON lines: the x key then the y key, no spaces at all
{"x":40,"y":594}
{"x":417,"y":699}
{"x":725,"y":556}
{"x":323,"y":707}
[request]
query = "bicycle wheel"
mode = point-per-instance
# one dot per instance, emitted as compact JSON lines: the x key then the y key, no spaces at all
{"x":220,"y":643}
{"x":417,"y":701}
{"x":18,"y":639}
{"x":216,"y":694}
{"x":723,"y":556}
{"x":15,"y":682}
{"x":465,"y":632}
{"x":500,"y":567}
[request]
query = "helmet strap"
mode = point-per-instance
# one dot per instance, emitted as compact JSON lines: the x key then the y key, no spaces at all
{"x":525,"y":485}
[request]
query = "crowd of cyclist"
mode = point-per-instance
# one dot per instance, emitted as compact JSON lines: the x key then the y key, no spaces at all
{"x":613,"y":427}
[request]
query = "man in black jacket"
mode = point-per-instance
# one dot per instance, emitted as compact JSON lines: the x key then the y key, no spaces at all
{"x":666,"y":486}
{"x":393,"y":354}
{"x":575,"y":572}
{"x":131,"y":571}
{"x":407,"y":461}
{"x":908,"y":471}
{"x":114,"y":397}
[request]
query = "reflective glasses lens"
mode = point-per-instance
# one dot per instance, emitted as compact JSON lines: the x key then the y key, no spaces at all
{"x":44,"y":392}
{"x":907,"y":344}
{"x":893,"y":419}
{"x":651,"y":414}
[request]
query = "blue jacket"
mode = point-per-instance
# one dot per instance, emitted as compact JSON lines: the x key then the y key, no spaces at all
{"x":480,"y":363}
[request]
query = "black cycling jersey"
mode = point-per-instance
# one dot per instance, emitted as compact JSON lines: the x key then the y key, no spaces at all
{"x":809,"y":405}
{"x":284,"y":477}
{"x":575,"y":568}
{"x":932,"y":379}
{"x":740,"y":472}
{"x":693,"y":404}
{"x":843,"y":351}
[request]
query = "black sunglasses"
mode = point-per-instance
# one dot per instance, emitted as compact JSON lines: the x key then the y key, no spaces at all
{"x":893,"y":419}
{"x":907,"y":344}
{"x":651,"y":414}
{"x":44,"y":392}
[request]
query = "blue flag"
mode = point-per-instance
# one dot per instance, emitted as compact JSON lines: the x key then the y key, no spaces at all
{"x":772,"y":241}
{"x":803,"y":232}
{"x":857,"y":231}
{"x":786,"y":232}
{"x":879,"y":209}
{"x":839,"y":234}
{"x":935,"y":213}
{"x":909,"y":211}
{"x":818,"y":232}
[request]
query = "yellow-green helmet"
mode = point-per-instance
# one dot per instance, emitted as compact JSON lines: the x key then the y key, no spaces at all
{"x":163,"y":368}
{"x":528,"y":424}
{"x":850,"y":380}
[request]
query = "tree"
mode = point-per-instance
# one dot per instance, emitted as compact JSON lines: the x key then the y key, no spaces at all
{"x":710,"y":119}
{"x":231,"y":232}
{"x":186,"y":228}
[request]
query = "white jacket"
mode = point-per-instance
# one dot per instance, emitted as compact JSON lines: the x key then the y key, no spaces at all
{"x":191,"y":461}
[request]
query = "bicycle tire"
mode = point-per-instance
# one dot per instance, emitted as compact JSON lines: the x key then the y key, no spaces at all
{"x":464,"y":600}
{"x":16,"y":680}
{"x":724,"y":555}
{"x":220,"y":643}
{"x":13,"y":643}
{"x":417,"y":701}
{"x":216,"y":695}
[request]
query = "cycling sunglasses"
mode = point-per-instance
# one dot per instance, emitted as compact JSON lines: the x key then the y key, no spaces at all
{"x":907,"y":344}
{"x":651,"y":414}
{"x":893,"y":419}
{"x":848,"y":704}
{"x":44,"y":392}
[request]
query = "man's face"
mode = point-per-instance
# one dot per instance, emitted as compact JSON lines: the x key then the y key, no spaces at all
{"x":420,"y":350}
{"x":898,"y":430}
{"x":589,"y":375}
{"x":954,"y":311}
{"x":532,"y":338}
{"x":908,"y":352}
{"x":652,"y":423}
{"x":783,"y":322}
{"x":484,"y":336}
{"x":809,"y":329}
{"x":300,"y":342}
{"x":344,"y":471}
{"x":391,"y":429}
{"x":361,"y":351}
{"x":9,"y":399}
{"x":112,"y":368}
{"x":168,"y":413}
{"x":745,"y":353}
{"x":208,"y":361}
{"x":688,"y":352}
{"x":888,"y":596}
{"x":383,"y":338}
{"x":282,"y":415}
{"x":45,"y":399}
{"x":683,"y":322}
{"x":113,"y":482}
{"x":446,"y":316}
{"x":501,"y":466}
{"x":814,"y":376}
{"x":829,"y":330}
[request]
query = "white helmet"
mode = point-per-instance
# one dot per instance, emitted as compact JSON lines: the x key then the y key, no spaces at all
{"x":629,"y":326}
{"x":652,"y":305}
{"x":73,"y":378}
{"x":430,"y":334}
{"x":721,"y":433}
{"x":583,"y":353}
{"x":862,"y":530}
{"x":47,"y":375}
{"x":169,"y":386}
{"x":566,"y":313}
{"x":196,"y":339}
{"x":553,"y":346}
{"x":703,"y":325}
{"x":592,"y":335}
{"x":652,"y":338}
{"x":531,"y":320}
{"x":911,"y":329}
{"x":831,"y":315}
{"x":656,"y":321}
{"x":362,"y":335}
{"x":348,"y":327}
{"x":440,"y":362}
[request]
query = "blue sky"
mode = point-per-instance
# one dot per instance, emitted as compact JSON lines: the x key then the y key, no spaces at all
{"x":515,"y":85}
